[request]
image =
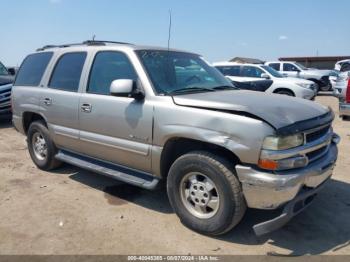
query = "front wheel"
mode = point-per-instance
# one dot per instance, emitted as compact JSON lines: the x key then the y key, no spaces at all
{"x":285,"y":92}
{"x":205,"y":193}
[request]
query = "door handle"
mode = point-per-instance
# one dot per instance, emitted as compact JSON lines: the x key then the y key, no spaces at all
{"x":86,"y":108}
{"x":47,"y":101}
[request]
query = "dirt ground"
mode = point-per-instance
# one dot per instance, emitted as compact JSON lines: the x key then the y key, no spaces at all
{"x":72,"y":211}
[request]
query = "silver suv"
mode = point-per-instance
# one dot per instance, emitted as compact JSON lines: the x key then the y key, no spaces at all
{"x":144,"y":114}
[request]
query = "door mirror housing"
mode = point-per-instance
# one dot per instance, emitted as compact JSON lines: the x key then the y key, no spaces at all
{"x":126,"y":88}
{"x":264,"y":75}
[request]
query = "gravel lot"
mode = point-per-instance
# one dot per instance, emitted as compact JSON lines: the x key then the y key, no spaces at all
{"x":72,"y":211}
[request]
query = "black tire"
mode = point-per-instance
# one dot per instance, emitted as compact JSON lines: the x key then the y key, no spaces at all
{"x":285,"y":92}
{"x":49,"y":162}
{"x":232,"y":205}
{"x":325,"y":88}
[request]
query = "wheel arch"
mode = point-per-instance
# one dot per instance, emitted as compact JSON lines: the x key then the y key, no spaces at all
{"x":29,"y":117}
{"x":278,"y":89}
{"x":177,"y":146}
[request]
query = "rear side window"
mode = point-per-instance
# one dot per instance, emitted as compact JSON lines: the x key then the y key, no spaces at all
{"x":275,"y":66}
{"x":67,"y":72}
{"x":230,"y":70}
{"x":107,"y":67}
{"x":32,"y":69}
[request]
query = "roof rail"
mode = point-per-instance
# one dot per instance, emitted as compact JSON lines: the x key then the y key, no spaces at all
{"x":102,"y":42}
{"x":87,"y":42}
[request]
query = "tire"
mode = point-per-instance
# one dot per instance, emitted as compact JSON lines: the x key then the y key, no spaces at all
{"x":46,"y":161}
{"x":325,"y":88}
{"x":231,"y":205}
{"x":285,"y":92}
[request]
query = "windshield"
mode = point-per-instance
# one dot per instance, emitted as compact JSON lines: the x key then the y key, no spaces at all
{"x":177,"y":72}
{"x":301,"y":66}
{"x":272,"y":71}
{"x":3,"y":70}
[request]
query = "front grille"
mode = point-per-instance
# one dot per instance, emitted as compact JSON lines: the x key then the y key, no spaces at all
{"x":5,"y":97}
{"x":321,"y":134}
{"x":317,"y":134}
{"x":314,"y":155}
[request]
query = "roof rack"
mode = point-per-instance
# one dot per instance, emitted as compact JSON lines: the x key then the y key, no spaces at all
{"x":87,"y":42}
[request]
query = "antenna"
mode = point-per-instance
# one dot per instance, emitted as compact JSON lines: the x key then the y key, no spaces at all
{"x":169,"y":32}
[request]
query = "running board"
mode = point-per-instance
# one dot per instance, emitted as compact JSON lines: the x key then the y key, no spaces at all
{"x":124,"y":174}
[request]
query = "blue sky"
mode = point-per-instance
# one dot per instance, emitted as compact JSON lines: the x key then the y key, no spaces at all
{"x":218,"y":30}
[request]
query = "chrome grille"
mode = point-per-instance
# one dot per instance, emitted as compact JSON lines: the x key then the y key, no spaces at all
{"x":321,"y":135}
{"x":5,"y":99}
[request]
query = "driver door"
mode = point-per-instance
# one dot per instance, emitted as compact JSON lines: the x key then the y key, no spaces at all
{"x":115,"y":129}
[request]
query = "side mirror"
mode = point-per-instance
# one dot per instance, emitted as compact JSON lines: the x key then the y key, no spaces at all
{"x":264,"y":75}
{"x":126,"y":88}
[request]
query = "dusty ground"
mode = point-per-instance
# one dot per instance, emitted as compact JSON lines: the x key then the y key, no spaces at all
{"x":72,"y":211}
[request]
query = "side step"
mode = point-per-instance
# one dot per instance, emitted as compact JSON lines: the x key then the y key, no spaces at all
{"x":124,"y":174}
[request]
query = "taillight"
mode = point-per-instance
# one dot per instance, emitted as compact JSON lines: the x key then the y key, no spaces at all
{"x":348,"y":92}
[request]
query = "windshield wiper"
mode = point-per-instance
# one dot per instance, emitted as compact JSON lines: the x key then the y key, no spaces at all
{"x":225,"y":87}
{"x":190,"y":89}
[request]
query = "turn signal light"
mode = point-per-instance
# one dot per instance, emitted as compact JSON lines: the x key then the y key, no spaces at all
{"x":268,"y":164}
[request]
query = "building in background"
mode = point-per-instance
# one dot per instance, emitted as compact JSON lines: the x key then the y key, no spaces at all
{"x":319,"y":62}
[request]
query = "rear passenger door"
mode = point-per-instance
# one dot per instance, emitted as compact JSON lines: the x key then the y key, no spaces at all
{"x":60,"y":99}
{"x":116,"y":129}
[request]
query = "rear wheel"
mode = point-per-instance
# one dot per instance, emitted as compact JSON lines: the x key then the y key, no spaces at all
{"x":205,"y":193}
{"x":41,"y":147}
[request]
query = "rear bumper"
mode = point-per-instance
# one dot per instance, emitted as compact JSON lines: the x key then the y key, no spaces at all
{"x":292,"y":190}
{"x":344,"y":109}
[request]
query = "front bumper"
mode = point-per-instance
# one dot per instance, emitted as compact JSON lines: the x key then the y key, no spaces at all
{"x":267,"y":190}
{"x":344,"y":109}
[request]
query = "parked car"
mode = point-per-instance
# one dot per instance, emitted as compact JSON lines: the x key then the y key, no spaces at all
{"x":293,"y":69}
{"x":265,"y":79}
{"x":144,"y":114}
{"x":341,"y":82}
{"x":344,"y":101}
{"x":338,"y":64}
{"x":6,"y":80}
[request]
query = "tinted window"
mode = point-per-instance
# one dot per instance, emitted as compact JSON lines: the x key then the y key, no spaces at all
{"x":109,"y":66}
{"x":345,"y":67}
{"x":289,"y":67}
{"x":275,"y":66}
{"x":250,"y":71}
{"x":67,"y":72}
{"x":229,"y":70}
{"x":32,"y":69}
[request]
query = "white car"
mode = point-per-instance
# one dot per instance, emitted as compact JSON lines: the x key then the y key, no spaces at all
{"x":294,"y":69}
{"x":338,"y":64}
{"x":271,"y":81}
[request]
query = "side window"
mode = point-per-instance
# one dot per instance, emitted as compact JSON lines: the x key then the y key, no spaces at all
{"x":107,"y":67}
{"x":229,"y":70}
{"x":289,"y":67}
{"x":250,"y":71}
{"x":67,"y":72}
{"x":32,"y":69}
{"x":275,"y":66}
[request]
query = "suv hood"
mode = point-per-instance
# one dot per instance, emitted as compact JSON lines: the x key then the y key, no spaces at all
{"x":4,"y":80}
{"x":286,"y":114}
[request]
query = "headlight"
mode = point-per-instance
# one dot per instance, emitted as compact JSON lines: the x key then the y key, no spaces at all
{"x":304,"y":85}
{"x":283,"y":142}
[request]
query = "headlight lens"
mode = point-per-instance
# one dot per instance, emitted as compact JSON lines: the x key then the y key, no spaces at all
{"x":304,"y":85}
{"x":283,"y":142}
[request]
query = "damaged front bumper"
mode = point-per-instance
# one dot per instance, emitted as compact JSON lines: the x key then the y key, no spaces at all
{"x":294,"y":189}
